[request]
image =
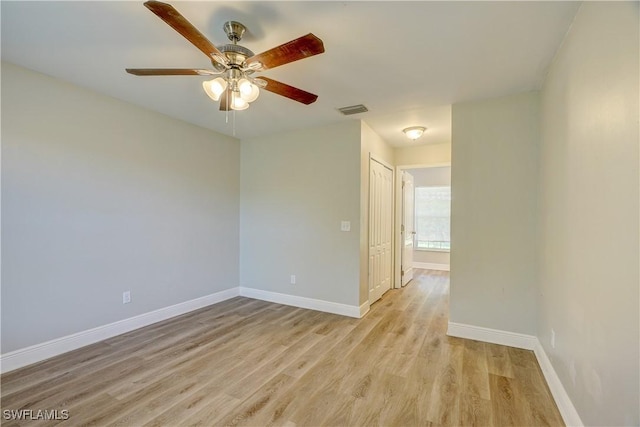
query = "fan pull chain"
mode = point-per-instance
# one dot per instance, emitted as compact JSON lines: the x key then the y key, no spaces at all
{"x":234,"y":122}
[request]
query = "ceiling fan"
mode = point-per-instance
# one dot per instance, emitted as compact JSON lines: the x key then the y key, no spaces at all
{"x":235,"y":65}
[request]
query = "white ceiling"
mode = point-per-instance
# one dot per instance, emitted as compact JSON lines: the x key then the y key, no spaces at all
{"x":406,"y":61}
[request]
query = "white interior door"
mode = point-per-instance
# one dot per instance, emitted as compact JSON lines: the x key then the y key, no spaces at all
{"x":380,"y":229}
{"x":407,"y":229}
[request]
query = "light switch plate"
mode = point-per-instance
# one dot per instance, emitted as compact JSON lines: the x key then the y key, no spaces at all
{"x":345,"y":226}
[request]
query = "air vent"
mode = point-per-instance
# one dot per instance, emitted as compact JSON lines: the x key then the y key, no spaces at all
{"x":354,"y":109}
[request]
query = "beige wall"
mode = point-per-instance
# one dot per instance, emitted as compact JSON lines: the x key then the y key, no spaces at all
{"x":423,"y":155}
{"x":100,"y":196}
{"x":296,"y":188}
{"x":493,"y":219}
{"x":431,"y":177}
{"x":588,"y":211}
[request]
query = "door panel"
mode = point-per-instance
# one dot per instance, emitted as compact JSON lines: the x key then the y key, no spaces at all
{"x":407,"y":228}
{"x":380,"y":229}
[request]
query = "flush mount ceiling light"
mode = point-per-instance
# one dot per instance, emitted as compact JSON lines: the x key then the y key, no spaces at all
{"x":234,"y":65}
{"x":414,"y":132}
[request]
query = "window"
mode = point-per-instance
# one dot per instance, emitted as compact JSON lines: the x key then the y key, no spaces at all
{"x":433,"y":218}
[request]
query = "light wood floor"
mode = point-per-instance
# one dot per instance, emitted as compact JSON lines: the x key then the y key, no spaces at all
{"x":249,"y":362}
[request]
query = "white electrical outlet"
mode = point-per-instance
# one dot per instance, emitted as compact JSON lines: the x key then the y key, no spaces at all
{"x":553,"y":338}
{"x":293,"y":279}
{"x":126,"y":297}
{"x":345,"y":226}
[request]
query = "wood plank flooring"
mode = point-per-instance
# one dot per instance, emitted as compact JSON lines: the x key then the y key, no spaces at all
{"x":249,"y":362}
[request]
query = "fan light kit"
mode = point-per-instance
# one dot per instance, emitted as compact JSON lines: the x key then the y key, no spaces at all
{"x":414,"y":132}
{"x":235,"y":65}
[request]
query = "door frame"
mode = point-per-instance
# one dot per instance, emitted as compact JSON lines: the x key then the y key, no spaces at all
{"x":397,"y":236}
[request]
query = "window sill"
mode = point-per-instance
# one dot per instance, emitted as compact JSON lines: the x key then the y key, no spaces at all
{"x":432,"y":250}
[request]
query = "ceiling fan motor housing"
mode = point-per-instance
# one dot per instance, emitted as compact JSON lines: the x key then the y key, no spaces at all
{"x":235,"y":53}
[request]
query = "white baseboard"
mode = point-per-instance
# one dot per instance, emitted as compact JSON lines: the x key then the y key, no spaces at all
{"x":303,"y":302}
{"x":431,"y":266}
{"x":493,"y":336}
{"x":39,"y":352}
{"x":565,"y":406}
{"x":528,"y":342}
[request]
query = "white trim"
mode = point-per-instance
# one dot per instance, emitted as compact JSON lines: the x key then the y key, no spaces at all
{"x":431,"y":266}
{"x":364,"y":308}
{"x":382,"y":162}
{"x":39,"y":352}
{"x":494,"y":336}
{"x":302,"y":302}
{"x":565,"y":406}
{"x":446,"y":251}
{"x":424,"y":166}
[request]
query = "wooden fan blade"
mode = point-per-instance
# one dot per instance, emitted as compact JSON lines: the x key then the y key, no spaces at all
{"x":168,"y":14}
{"x":170,"y":72}
{"x":225,"y":100}
{"x":294,"y":50}
{"x":289,"y":91}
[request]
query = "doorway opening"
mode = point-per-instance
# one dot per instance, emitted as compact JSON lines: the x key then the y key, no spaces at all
{"x":423,"y":218}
